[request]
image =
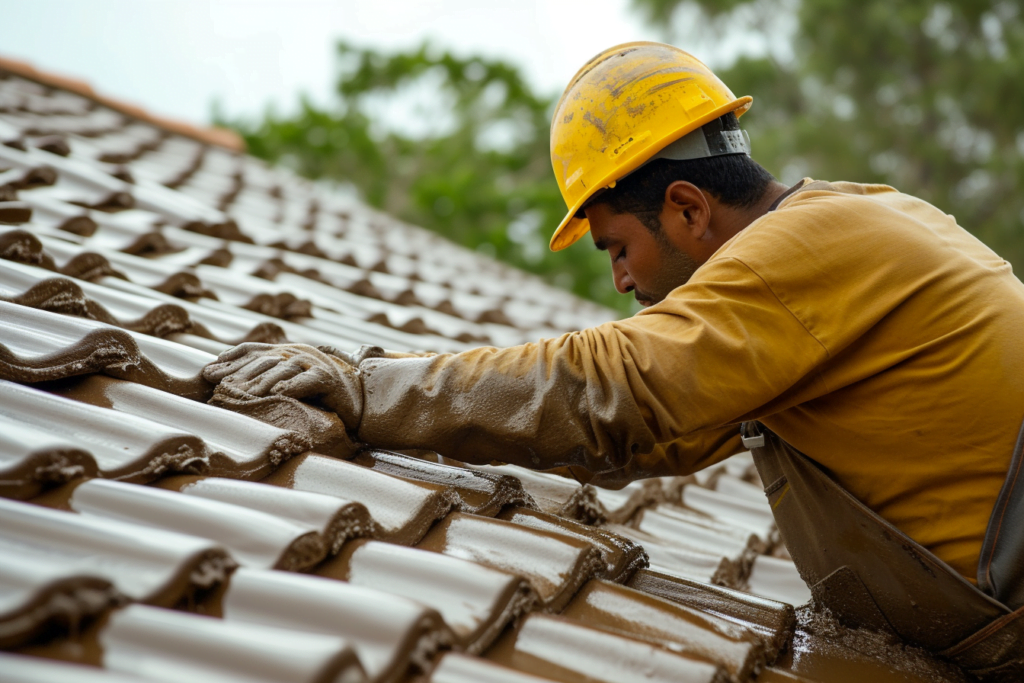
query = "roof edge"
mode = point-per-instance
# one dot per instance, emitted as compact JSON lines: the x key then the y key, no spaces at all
{"x":211,"y":135}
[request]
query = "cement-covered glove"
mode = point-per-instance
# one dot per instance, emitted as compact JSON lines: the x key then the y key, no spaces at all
{"x":295,"y":370}
{"x":369,"y":351}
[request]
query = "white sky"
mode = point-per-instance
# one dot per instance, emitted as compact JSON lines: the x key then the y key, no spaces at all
{"x":175,"y":56}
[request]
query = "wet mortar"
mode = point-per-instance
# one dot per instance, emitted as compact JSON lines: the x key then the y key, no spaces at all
{"x":823,"y":649}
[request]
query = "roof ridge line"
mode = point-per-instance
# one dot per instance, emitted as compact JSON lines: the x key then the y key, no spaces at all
{"x":211,"y":135}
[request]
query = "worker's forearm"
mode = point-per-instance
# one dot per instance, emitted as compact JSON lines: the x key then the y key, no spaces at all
{"x":531,"y":405}
{"x":714,"y":353}
{"x":682,"y":456}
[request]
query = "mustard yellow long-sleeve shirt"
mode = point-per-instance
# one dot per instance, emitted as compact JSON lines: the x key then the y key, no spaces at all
{"x":862,"y":325}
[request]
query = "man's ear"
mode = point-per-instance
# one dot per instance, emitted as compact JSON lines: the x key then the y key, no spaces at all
{"x":686,"y":210}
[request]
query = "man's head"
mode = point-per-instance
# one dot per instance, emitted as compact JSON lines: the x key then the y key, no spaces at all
{"x":664,"y":220}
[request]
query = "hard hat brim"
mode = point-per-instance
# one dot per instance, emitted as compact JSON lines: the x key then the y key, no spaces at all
{"x":572,"y":228}
{"x":569,"y":232}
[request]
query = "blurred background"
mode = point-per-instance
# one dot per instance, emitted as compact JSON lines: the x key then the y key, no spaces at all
{"x":437,"y":111}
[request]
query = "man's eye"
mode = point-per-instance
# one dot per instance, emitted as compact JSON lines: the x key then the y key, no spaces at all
{"x":621,"y":255}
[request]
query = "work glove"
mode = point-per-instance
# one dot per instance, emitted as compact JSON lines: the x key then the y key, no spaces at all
{"x":302,"y":372}
{"x":370,"y":351}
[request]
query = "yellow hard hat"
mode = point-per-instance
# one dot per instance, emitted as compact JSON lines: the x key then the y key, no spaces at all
{"x":621,"y":110}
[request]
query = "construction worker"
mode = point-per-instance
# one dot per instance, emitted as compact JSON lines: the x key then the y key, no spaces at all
{"x":871,"y":350}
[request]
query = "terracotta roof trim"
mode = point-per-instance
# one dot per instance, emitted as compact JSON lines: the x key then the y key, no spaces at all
{"x":210,"y":135}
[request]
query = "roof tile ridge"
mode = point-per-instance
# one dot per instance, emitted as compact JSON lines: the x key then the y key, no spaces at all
{"x":211,"y":135}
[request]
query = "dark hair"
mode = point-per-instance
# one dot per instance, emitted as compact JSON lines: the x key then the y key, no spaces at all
{"x":733,"y":179}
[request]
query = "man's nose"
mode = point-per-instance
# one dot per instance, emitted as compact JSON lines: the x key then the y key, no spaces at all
{"x":623,"y":282}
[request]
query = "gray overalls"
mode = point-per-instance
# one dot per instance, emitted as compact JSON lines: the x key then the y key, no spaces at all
{"x":872,"y":575}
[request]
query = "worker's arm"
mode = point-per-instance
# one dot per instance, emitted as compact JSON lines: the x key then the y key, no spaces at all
{"x":370,"y":351}
{"x":718,"y":350}
{"x":658,"y":393}
{"x":683,"y":456}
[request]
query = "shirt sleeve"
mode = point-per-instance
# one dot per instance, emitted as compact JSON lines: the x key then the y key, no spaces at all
{"x":683,"y":456}
{"x":646,"y":396}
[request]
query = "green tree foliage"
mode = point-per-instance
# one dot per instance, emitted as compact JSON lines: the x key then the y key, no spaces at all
{"x":457,"y":145}
{"x":925,"y":96}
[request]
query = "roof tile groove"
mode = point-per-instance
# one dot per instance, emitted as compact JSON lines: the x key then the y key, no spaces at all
{"x":778,"y":578}
{"x":32,"y":460}
{"x":624,"y":504}
{"x":239,"y":446}
{"x":95,"y":264}
{"x":735,"y":508}
{"x":62,"y":604}
{"x":622,"y":557}
{"x":774,"y":621}
{"x":119,"y":446}
{"x":695,"y":532}
{"x":37,"y":346}
{"x":24,"y":247}
{"x":335,"y":519}
{"x":683,"y":629}
{"x":403,"y":510}
{"x":554,"y":494}
{"x":480,"y":493}
{"x":254,"y":538}
{"x":37,"y":288}
{"x":153,"y":566}
{"x":13,"y":212}
{"x":576,"y":653}
{"x":213,"y":320}
{"x":391,"y":634}
{"x":170,"y":646}
{"x":28,"y":669}
{"x":76,"y":182}
{"x":457,"y":668}
{"x":708,"y":566}
{"x":476,"y":602}
{"x":278,"y":299}
{"x":482,"y":313}
{"x":555,"y":564}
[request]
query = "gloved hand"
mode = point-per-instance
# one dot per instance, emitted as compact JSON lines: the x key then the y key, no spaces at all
{"x":369,"y":351}
{"x":296,"y":370}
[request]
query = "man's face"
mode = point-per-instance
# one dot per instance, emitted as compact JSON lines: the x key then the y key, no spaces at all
{"x":646,"y":264}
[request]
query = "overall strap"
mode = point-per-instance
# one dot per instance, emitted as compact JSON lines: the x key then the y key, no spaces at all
{"x":1001,"y":564}
{"x":863,"y":568}
{"x":871,"y":574}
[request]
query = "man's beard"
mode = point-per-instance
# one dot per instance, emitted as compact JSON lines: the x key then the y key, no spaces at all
{"x":676,"y":270}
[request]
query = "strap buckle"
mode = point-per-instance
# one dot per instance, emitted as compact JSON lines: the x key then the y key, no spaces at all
{"x":751,"y":436}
